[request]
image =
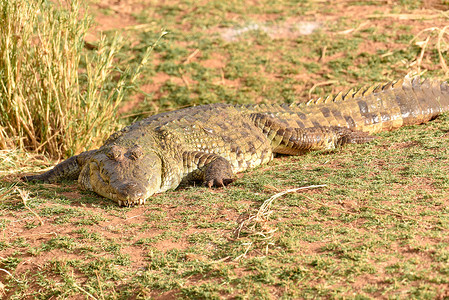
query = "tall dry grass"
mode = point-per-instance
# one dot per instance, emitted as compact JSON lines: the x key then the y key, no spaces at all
{"x":56,"y":97}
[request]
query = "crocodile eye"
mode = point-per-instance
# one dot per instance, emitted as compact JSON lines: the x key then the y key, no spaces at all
{"x":115,"y":153}
{"x":136,"y":152}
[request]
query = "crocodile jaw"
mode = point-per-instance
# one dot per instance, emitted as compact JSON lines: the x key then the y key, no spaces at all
{"x":128,"y":182}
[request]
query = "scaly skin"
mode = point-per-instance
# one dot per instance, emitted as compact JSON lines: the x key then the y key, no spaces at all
{"x":211,"y":143}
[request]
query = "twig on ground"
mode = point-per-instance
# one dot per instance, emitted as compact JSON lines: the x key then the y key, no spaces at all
{"x":84,"y":291}
{"x":405,"y":16}
{"x":440,"y":41}
{"x":7,"y":272}
{"x":264,"y":211}
{"x":6,"y":192}
{"x":353,"y":30}
{"x":99,"y":284}
{"x":441,"y":44}
{"x":329,"y":82}
{"x":250,"y":222}
{"x":191,"y":56}
{"x":136,"y":216}
{"x":250,"y":244}
{"x":25,"y":196}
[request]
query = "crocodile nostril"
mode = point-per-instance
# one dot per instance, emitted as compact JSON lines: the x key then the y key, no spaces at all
{"x":136,"y":152}
{"x":115,"y":153}
{"x":131,"y":191}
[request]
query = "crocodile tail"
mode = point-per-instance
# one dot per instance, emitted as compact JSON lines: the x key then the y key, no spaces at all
{"x":68,"y":169}
{"x":407,"y":101}
{"x":400,"y":103}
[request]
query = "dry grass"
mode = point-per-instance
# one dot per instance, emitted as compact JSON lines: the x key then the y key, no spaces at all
{"x":55,"y":97}
{"x":430,"y":39}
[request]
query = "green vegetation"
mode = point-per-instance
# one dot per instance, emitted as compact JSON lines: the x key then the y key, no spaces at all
{"x":378,"y":229}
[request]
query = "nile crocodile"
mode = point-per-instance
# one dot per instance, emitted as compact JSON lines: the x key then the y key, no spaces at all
{"x":211,"y":143}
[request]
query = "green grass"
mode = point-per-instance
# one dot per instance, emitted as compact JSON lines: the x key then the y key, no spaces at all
{"x":377,"y":230}
{"x":382,"y":219}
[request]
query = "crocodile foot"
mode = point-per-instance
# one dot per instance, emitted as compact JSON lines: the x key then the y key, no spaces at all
{"x":218,"y":173}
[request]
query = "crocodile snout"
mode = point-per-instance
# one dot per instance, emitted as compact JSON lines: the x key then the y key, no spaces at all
{"x":128,"y":176}
{"x":131,"y":193}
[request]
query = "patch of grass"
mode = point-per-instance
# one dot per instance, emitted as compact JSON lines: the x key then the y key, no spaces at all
{"x":10,"y":263}
{"x":56,"y":98}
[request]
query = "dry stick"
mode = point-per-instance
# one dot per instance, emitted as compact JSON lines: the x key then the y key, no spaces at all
{"x":40,"y":233}
{"x":136,"y":216}
{"x":423,"y":44}
{"x":99,"y":284}
{"x":48,"y":140}
{"x":5,"y":193}
{"x":323,"y":54}
{"x":25,"y":195}
{"x":220,"y":260}
{"x":222,"y":76}
{"x":267,"y":204}
{"x":423,"y":50}
{"x":263,"y":212}
{"x":191,"y":56}
{"x":186,"y":82}
{"x":353,"y":30}
{"x":246,"y":251}
{"x":440,"y":38}
{"x":84,"y":291}
{"x":138,"y":27}
{"x":320,"y":84}
{"x":445,"y":14}
{"x":7,"y":272}
{"x":404,"y":16}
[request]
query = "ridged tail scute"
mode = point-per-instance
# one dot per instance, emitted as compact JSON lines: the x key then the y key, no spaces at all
{"x":377,"y":108}
{"x":399,"y":103}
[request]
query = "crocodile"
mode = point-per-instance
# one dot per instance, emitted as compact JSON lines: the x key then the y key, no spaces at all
{"x":211,"y":143}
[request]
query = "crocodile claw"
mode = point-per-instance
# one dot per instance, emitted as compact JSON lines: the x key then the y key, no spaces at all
{"x":218,"y":182}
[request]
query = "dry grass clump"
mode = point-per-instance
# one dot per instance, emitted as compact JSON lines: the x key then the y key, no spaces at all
{"x":56,"y":97}
{"x":433,"y":39}
{"x":256,"y":225}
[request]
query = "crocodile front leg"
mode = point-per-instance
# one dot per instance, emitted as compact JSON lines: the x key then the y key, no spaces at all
{"x":210,"y":168}
{"x":67,"y":169}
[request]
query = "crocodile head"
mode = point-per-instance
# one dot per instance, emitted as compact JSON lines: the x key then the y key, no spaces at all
{"x":127,"y":175}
